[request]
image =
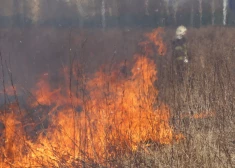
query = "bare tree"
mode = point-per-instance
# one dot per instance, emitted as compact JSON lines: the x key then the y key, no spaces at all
{"x":212,"y":12}
{"x":225,"y":11}
{"x":192,"y":15}
{"x":103,"y":13}
{"x":200,"y":11}
{"x":175,"y":8}
{"x":146,"y":7}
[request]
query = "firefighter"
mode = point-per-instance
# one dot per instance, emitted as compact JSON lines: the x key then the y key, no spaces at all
{"x":181,"y":63}
{"x":180,"y":53}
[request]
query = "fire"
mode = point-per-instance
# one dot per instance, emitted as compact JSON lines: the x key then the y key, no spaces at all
{"x":8,"y":90}
{"x":117,"y":115}
{"x":203,"y":115}
{"x":155,"y":38}
{"x":199,"y":115}
{"x":89,"y":119}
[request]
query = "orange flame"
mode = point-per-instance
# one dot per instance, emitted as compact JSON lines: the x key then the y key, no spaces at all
{"x":91,"y":120}
{"x":203,"y":115}
{"x":8,"y":90}
{"x":155,"y":38}
{"x":199,"y":115}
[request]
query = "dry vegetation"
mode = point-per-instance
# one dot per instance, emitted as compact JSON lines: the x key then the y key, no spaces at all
{"x":119,"y":118}
{"x":208,"y":88}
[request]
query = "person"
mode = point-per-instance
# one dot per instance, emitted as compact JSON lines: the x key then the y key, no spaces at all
{"x":180,"y":53}
{"x":181,"y":62}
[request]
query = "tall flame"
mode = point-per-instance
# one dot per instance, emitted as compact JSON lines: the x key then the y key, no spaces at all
{"x":91,"y":120}
{"x":155,"y":38}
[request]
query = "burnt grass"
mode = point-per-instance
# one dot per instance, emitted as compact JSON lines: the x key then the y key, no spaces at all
{"x":208,"y":86}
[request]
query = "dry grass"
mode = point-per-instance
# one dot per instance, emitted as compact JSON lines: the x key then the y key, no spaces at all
{"x":208,"y":88}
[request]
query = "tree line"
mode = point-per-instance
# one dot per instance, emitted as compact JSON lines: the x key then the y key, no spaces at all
{"x":109,"y":13}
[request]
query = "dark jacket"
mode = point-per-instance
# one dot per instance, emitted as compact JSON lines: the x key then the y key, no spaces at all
{"x":179,"y":58}
{"x":180,"y":53}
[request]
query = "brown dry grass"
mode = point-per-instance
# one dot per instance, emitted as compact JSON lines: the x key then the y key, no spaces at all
{"x":208,"y":87}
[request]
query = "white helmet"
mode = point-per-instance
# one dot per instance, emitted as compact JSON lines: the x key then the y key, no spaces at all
{"x":180,"y":32}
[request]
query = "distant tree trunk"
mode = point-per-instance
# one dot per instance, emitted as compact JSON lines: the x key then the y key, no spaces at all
{"x":35,"y":10}
{"x":80,"y":13}
{"x":175,"y":8}
{"x":225,"y":11}
{"x":212,"y":12}
{"x":109,"y":7}
{"x":24,"y":12}
{"x":167,"y":8}
{"x":15,"y":12}
{"x":146,"y":7}
{"x":192,"y":16}
{"x":200,"y":11}
{"x":167,"y":11}
{"x":103,"y":13}
{"x":15,"y":7}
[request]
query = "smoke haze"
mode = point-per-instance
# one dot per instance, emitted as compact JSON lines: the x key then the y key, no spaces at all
{"x":38,"y":36}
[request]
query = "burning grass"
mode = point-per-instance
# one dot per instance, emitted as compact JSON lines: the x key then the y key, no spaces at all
{"x":113,"y":118}
{"x":116,"y":115}
{"x":88,"y":120}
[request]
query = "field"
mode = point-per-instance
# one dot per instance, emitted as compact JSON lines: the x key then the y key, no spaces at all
{"x":94,"y":98}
